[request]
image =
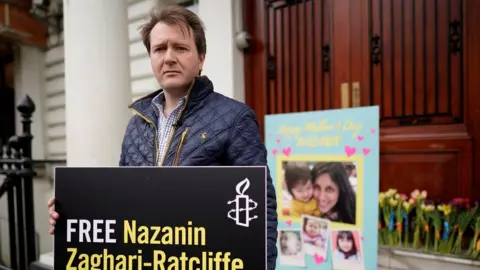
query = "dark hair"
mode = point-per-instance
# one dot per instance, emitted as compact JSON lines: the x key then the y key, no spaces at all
{"x":349,"y":236}
{"x":296,"y":173}
{"x":346,"y":204}
{"x":175,"y":15}
{"x":349,"y":168}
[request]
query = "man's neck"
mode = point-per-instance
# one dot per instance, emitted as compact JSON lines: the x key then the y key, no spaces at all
{"x":172,"y":98}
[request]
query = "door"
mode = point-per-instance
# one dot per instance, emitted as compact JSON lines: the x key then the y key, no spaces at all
{"x":410,"y":57}
{"x":413,"y":67}
{"x":291,"y":66}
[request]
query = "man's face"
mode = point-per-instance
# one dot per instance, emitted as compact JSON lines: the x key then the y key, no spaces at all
{"x":173,"y":56}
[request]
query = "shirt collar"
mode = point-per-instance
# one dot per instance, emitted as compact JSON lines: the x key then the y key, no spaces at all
{"x":159,"y":100}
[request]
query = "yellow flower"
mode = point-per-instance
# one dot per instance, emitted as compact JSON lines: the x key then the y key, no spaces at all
{"x":391,"y":192}
{"x":406,"y":206}
{"x":429,"y":208}
{"x":445,"y":208}
{"x":424,"y":194}
{"x":393,"y":202}
{"x":381,"y":198}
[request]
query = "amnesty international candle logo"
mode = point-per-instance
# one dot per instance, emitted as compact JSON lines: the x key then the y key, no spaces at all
{"x":242,"y":205}
{"x":160,"y":218}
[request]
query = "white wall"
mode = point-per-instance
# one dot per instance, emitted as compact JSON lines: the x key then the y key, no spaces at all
{"x":55,"y":99}
{"x":224,"y":62}
{"x":143,"y":81}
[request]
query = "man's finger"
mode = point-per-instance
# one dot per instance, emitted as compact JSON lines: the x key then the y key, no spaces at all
{"x":52,"y":221}
{"x":52,"y":213}
{"x":50,"y":202}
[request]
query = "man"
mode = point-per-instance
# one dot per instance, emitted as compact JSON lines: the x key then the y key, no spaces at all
{"x":186,"y":123}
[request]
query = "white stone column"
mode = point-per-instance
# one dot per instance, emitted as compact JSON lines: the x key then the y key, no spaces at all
{"x":97,"y":80}
{"x":224,"y":62}
{"x":29,"y":79}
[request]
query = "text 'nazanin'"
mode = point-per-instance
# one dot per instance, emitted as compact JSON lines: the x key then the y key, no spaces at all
{"x":103,"y":231}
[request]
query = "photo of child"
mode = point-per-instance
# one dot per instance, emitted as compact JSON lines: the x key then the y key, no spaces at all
{"x":346,"y":249}
{"x":315,"y":234}
{"x":300,"y":187}
{"x":291,"y":248}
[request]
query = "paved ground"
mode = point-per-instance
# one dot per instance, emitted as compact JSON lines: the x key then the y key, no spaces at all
{"x":387,"y":260}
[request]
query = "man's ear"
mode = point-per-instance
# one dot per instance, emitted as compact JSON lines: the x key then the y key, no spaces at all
{"x":201,"y":57}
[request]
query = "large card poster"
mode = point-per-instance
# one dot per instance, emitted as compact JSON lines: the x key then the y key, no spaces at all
{"x":160,"y":218}
{"x":325,"y":167}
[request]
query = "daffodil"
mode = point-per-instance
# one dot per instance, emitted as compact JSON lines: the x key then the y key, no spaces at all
{"x":391,"y":192}
{"x":393,"y":202}
{"x":445,"y":208}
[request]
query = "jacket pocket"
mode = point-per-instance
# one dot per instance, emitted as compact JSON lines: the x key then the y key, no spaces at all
{"x":183,"y":140}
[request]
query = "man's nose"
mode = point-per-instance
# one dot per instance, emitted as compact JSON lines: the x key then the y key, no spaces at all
{"x":170,"y":56}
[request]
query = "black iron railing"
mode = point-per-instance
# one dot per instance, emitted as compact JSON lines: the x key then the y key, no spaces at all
{"x":16,"y":165}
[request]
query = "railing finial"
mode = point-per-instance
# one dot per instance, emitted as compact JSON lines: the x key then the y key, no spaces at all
{"x":26,"y":106}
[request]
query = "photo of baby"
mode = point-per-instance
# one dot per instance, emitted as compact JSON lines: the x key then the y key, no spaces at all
{"x":291,"y":248}
{"x":346,"y":249}
{"x":315,"y":234}
{"x":299,"y":186}
{"x":318,"y":188}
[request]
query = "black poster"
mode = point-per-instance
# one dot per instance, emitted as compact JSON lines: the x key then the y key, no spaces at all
{"x":161,"y":218}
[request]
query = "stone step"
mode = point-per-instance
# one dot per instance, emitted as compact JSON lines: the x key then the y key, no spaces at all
{"x":407,"y":260}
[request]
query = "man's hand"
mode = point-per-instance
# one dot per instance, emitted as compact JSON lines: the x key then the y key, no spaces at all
{"x":52,"y":214}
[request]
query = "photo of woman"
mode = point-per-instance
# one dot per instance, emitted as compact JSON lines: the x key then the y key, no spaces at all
{"x":320,"y":189}
{"x":335,"y":196}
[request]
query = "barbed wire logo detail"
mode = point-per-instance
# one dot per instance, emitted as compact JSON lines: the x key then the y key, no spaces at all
{"x":243,"y":204}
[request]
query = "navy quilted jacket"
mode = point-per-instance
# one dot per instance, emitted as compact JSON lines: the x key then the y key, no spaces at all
{"x":233,"y":139}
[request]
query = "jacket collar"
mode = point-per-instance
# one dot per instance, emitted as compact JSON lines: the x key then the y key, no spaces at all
{"x":201,"y":88}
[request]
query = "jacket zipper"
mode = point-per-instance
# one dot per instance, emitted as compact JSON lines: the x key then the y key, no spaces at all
{"x":180,"y":146}
{"x":156,"y":132}
{"x":174,"y":128}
